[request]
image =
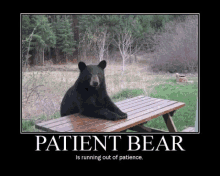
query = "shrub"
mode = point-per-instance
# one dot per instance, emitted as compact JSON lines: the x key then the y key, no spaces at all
{"x":26,"y":124}
{"x":177,"y":49}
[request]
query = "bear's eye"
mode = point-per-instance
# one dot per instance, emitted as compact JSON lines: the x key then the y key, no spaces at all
{"x":88,"y":76}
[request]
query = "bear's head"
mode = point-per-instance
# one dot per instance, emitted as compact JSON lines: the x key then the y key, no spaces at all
{"x":92,"y":75}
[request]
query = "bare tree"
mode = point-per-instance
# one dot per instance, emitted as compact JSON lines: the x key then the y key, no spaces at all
{"x":83,"y":45}
{"x":28,"y":48}
{"x":96,"y":41}
{"x":125,"y":42}
{"x":101,"y":43}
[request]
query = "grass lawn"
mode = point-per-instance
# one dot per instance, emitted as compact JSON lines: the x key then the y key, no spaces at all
{"x":184,"y":116}
{"x":29,"y":125}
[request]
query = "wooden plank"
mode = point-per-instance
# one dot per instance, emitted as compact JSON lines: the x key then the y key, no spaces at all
{"x":38,"y":130}
{"x":107,"y":123}
{"x":128,"y":100}
{"x":150,"y":107}
{"x":43,"y":128}
{"x":145,"y":106}
{"x":49,"y":121}
{"x":137,"y":109}
{"x":77,"y":126}
{"x":62,"y":127}
{"x":66,"y":118}
{"x":137,"y":117}
{"x":142,"y":118}
{"x":138,"y":104}
{"x":99,"y":123}
{"x":135,"y":101}
{"x":169,"y":122}
{"x":53,"y":120}
{"x":72,"y":122}
{"x":141,"y":101}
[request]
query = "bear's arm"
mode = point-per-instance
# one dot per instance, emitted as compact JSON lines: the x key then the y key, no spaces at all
{"x":91,"y":109}
{"x":102,"y":113}
{"x":112,"y":107}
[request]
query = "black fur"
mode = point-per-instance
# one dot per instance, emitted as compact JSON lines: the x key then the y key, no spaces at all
{"x":88,"y":96}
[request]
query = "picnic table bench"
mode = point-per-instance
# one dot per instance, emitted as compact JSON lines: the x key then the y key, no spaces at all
{"x":140,"y":110}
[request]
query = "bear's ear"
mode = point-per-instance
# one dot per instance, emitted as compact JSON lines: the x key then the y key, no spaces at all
{"x":102,"y":64}
{"x":81,"y":66}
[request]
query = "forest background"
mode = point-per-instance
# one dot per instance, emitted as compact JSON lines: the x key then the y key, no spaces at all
{"x":63,"y":38}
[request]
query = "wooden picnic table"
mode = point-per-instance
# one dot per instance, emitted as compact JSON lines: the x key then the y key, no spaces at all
{"x":140,"y":110}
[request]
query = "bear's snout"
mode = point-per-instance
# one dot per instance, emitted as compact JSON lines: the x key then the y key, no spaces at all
{"x":95,"y":84}
{"x":94,"y":81}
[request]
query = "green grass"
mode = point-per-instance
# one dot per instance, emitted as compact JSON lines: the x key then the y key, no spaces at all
{"x":126,"y":93}
{"x":184,"y":116}
{"x":29,"y":125}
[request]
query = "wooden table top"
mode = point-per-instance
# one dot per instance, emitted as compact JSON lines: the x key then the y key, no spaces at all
{"x":139,"y":109}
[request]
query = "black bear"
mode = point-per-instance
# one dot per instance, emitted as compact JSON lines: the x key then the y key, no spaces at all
{"x":88,"y":96}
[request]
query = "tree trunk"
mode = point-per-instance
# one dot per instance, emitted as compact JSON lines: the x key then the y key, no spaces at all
{"x":49,"y":53}
{"x":107,"y":52}
{"x":65,"y":57}
{"x":56,"y":53}
{"x":43,"y":56}
{"x":76,"y":36}
{"x":123,"y":66}
{"x":36,"y":55}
